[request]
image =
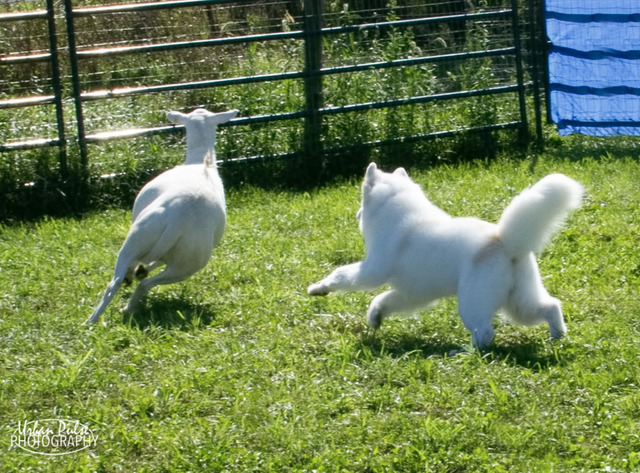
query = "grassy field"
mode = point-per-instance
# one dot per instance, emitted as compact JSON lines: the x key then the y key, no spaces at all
{"x":239,"y":370}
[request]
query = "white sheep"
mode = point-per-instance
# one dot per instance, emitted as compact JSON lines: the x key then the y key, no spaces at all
{"x":178,"y":217}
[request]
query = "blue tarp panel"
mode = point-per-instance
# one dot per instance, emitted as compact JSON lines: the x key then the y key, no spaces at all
{"x":594,"y":66}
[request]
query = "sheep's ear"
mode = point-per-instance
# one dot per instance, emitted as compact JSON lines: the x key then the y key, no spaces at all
{"x":222,"y":117}
{"x":400,"y":172}
{"x":177,"y":118}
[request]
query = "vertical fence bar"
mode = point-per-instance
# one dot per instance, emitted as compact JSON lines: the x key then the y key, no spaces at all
{"x":544,"y":53}
{"x":57,"y":87}
{"x":535,"y":70}
{"x":524,"y":133}
{"x":312,"y":147}
{"x":75,"y":83}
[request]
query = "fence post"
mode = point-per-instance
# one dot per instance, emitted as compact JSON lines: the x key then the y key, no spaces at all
{"x":544,"y":61}
{"x":57,"y":87}
{"x":75,"y":84}
{"x":524,"y":131}
{"x":535,"y":70}
{"x":312,"y":148}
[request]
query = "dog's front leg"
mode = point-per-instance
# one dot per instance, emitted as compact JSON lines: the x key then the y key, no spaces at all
{"x":352,"y":277}
{"x":393,"y":301}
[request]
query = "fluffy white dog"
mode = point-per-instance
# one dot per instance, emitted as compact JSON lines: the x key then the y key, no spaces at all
{"x":425,"y":254}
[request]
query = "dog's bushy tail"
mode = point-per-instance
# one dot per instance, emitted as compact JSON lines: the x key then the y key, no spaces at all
{"x":531,"y":219}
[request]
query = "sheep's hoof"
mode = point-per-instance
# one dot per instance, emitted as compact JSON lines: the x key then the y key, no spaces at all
{"x":91,"y":321}
{"x":141,"y":272}
{"x":317,"y":290}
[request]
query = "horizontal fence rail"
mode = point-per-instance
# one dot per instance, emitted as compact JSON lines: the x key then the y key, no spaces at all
{"x":306,"y":31}
{"x":51,"y":58}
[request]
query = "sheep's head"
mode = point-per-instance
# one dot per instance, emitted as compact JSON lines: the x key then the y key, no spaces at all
{"x":201,"y":126}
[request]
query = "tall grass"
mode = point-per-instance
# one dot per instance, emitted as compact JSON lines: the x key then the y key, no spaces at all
{"x":238,"y":370}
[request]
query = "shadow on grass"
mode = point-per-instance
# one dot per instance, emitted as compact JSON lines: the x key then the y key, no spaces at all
{"x":398,"y":346}
{"x":579,"y":147}
{"x":173,"y":313}
{"x":531,"y":353}
{"x":535,"y":354}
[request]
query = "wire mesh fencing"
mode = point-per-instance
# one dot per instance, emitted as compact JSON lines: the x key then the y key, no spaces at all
{"x":315,"y":81}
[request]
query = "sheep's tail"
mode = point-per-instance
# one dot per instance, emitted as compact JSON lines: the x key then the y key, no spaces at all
{"x":531,"y":219}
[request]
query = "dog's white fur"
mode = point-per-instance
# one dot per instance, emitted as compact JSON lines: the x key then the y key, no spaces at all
{"x":424,"y":254}
{"x":178,"y":217}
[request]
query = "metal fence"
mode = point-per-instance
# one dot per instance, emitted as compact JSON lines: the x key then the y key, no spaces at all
{"x":45,"y":20}
{"x":321,"y":68}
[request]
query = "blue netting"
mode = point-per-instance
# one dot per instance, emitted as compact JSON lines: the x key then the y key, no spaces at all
{"x":594,"y":66}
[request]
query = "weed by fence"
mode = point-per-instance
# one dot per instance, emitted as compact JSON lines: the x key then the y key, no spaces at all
{"x":320,"y":88}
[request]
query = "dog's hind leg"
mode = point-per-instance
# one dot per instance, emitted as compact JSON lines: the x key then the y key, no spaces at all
{"x":480,"y":295}
{"x":547,"y":309}
{"x":352,"y":277}
{"x":477,"y":320}
{"x":529,"y":303}
{"x":552,"y":313}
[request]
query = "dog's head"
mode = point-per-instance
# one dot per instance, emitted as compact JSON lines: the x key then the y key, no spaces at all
{"x":383,"y":181}
{"x":379,"y":186}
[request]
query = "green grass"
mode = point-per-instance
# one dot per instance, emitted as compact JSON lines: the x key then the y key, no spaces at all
{"x":238,"y":370}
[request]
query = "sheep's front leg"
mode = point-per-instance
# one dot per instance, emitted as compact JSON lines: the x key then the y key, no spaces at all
{"x":352,"y":277}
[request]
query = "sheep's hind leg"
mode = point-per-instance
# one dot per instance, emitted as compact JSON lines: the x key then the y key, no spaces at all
{"x":128,"y":278}
{"x":113,"y":287}
{"x":170,"y":275}
{"x":142,"y":271}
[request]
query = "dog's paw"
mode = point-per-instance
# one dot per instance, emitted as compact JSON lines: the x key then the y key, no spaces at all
{"x":317,"y":290}
{"x":374,"y":318}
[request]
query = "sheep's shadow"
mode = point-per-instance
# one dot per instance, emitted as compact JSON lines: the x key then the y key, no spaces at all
{"x":526,"y":352}
{"x":172,"y":313}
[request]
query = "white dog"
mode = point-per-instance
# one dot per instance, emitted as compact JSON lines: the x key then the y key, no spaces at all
{"x":425,"y":254}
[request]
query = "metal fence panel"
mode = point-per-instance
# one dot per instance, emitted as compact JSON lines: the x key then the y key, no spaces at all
{"x":309,"y":81}
{"x":44,"y":23}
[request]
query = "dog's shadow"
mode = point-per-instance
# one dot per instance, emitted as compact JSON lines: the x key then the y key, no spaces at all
{"x":410,"y":343}
{"x":535,"y":354}
{"x":171,"y":313}
{"x":531,"y":353}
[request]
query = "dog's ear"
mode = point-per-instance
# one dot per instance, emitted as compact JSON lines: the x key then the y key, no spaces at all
{"x":400,"y":172}
{"x":370,"y":175}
